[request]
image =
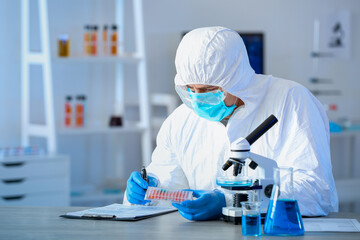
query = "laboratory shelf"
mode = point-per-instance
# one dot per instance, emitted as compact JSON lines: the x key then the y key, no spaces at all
{"x":344,"y":133}
{"x":100,"y":130}
{"x":118,"y":67}
{"x":121,"y":58}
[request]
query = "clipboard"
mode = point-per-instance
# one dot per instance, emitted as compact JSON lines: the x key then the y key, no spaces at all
{"x":120,"y":212}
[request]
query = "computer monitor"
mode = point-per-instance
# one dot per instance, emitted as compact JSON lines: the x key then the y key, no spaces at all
{"x":254,"y":43}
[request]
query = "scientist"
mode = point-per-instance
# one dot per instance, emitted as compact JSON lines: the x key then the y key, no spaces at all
{"x":223,"y":100}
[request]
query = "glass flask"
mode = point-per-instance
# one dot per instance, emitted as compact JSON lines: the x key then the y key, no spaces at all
{"x":283,"y":216}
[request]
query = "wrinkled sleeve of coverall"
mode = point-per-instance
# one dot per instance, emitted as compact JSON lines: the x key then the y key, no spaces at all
{"x":164,"y":163}
{"x":305,"y":145}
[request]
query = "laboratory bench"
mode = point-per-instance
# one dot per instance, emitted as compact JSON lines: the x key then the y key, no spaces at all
{"x":44,"y":223}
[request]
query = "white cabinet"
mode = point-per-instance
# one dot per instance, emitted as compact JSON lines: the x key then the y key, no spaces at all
{"x":345,"y":155}
{"x":35,"y":181}
{"x":49,"y":130}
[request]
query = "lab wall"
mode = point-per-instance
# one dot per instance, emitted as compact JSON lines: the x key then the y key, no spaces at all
{"x":288,"y":27}
{"x":289,"y":32}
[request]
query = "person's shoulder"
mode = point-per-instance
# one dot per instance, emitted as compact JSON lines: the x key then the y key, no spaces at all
{"x":284,"y":83}
{"x":177,"y":124}
{"x":289,"y":88}
{"x":180,"y":114}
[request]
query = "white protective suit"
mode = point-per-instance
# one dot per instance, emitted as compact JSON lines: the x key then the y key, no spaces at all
{"x":191,"y":150}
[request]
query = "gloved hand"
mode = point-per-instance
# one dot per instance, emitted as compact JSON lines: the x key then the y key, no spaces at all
{"x":207,"y":206}
{"x":136,"y":188}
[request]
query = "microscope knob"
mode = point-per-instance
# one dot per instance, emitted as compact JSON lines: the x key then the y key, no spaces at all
{"x":253,"y":165}
{"x":238,"y":198}
{"x":268,"y":190}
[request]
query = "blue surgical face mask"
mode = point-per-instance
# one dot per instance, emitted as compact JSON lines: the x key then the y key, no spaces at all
{"x":213,"y":112}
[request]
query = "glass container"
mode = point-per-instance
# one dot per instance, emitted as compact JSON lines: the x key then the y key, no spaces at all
{"x":283,"y":217}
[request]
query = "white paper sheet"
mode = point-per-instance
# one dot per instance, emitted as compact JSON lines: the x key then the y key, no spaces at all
{"x":331,"y":225}
{"x":123,"y":212}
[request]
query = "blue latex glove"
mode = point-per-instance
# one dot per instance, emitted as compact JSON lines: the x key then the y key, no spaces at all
{"x":207,"y":206}
{"x":136,"y":188}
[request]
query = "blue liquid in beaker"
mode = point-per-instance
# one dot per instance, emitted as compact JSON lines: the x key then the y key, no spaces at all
{"x":251,"y":225}
{"x":284,"y":218}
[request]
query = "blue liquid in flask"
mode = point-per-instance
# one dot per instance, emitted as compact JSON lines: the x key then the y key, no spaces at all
{"x":251,"y":225}
{"x":284,"y":219}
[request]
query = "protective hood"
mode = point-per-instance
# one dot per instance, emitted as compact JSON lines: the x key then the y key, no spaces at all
{"x":214,"y":56}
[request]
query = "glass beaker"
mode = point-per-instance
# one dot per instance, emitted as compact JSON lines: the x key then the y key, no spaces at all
{"x":283,"y":215}
{"x":251,"y":218}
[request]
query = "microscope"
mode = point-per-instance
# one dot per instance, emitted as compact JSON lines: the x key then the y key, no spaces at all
{"x":256,"y":188}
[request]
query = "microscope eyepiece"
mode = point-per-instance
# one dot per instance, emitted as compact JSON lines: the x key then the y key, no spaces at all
{"x":261,"y":129}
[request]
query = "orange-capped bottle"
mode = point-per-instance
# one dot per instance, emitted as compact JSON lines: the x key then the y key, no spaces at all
{"x":94,"y":40}
{"x":79,"y":112}
{"x":68,"y":112}
{"x":83,"y":98}
{"x":114,"y":40}
{"x":105,"y":40}
{"x":87,"y":44}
